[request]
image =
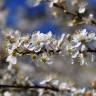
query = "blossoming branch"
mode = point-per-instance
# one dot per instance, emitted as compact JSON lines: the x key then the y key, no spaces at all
{"x":42,"y":47}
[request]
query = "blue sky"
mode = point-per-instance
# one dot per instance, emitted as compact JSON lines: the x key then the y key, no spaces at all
{"x":12,"y":18}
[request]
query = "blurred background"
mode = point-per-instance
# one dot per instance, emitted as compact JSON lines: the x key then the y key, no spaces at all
{"x":26,"y":16}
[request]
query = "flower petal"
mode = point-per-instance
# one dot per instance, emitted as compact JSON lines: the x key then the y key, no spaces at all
{"x":11,"y":59}
{"x":75,"y":55}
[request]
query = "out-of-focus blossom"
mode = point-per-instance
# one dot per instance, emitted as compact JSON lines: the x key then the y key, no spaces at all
{"x":40,"y":92}
{"x":52,"y":2}
{"x":33,"y":3}
{"x":82,"y":7}
{"x":80,"y":91}
{"x":73,"y":2}
{"x":81,"y":10}
{"x":7,"y":93}
{"x":65,"y":86}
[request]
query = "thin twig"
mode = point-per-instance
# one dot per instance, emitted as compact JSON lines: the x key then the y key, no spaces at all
{"x":26,"y":51}
{"x":55,"y":52}
{"x":76,"y":16}
{"x":61,"y":7}
{"x":91,"y":50}
{"x":28,"y":87}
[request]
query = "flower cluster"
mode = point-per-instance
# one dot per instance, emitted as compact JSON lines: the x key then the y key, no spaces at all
{"x":78,"y":44}
{"x":42,"y":46}
{"x":81,"y":6}
{"x":51,"y":86}
{"x":39,"y":45}
{"x":67,"y":88}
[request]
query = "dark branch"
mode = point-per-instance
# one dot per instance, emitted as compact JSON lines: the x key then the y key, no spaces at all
{"x":62,"y":8}
{"x":91,"y":50}
{"x":28,"y":87}
{"x":26,"y":51}
{"x":54,"y":52}
{"x":76,"y":16}
{"x":93,"y":21}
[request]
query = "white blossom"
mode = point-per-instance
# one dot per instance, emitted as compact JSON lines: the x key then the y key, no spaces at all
{"x":47,"y":44}
{"x":55,"y":82}
{"x":52,"y":2}
{"x":75,"y":54}
{"x":40,"y":92}
{"x":77,"y":45}
{"x":11,"y":59}
{"x":47,"y":79}
{"x":91,"y":16}
{"x":82,"y":59}
{"x":81,"y":10}
{"x":61,"y":40}
{"x":94,"y":92}
{"x":7,"y":93}
{"x":65,"y":86}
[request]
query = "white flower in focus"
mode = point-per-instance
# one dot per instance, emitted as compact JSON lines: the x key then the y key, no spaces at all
{"x":39,"y":40}
{"x":44,"y":37}
{"x":11,"y":59}
{"x":77,"y":45}
{"x":11,"y":46}
{"x":48,"y":35}
{"x":40,"y":37}
{"x":81,"y":35}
